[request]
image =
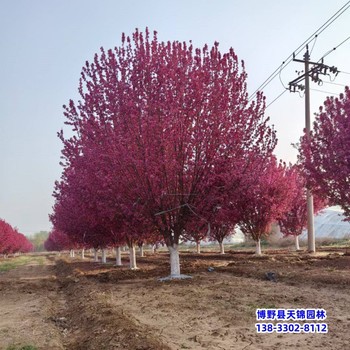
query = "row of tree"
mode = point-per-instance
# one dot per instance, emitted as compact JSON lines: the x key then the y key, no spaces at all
{"x":165,"y":147}
{"x":11,"y":241}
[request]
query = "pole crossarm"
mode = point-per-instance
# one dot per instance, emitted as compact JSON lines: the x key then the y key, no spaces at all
{"x":319,"y":68}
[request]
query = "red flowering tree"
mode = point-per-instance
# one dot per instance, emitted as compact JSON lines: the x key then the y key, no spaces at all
{"x":325,"y":153}
{"x":5,"y":236}
{"x":218,"y":232}
{"x":25,"y":245}
{"x":57,"y":241}
{"x":294,"y":221}
{"x":265,"y":201}
{"x":90,"y":206}
{"x":196,"y":231}
{"x":11,"y":241}
{"x":176,"y":127}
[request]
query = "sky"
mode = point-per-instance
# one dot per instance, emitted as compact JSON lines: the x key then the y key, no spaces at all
{"x":44,"y":44}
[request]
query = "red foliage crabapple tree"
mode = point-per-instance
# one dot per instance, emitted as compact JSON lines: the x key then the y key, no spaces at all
{"x":294,"y":221}
{"x":11,"y":241}
{"x":226,"y":215}
{"x":57,"y":241}
{"x":176,"y":126}
{"x":218,"y":232}
{"x":266,"y":200}
{"x":6,"y":232}
{"x":325,"y":152}
{"x":196,"y":231}
{"x":88,"y":206}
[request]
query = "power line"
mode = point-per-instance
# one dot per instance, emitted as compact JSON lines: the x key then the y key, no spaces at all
{"x":276,"y":98}
{"x":343,"y":72}
{"x":331,"y":83}
{"x":313,"y":45}
{"x":298,"y":50}
{"x":334,"y":48}
{"x":279,"y":75}
{"x":325,"y":92}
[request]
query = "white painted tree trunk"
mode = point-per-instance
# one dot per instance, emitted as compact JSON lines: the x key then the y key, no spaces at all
{"x":297,"y":247}
{"x":83,"y":253}
{"x":132,"y":258}
{"x":174,"y":260}
{"x":222,"y":248}
{"x":71,"y":253}
{"x":258,"y":247}
{"x":104,"y":256}
{"x":95,"y":255}
{"x":198,"y":247}
{"x":152,"y":249}
{"x":118,"y":256}
{"x":141,"y":252}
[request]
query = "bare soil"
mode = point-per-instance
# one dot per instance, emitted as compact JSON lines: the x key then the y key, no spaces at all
{"x":67,"y":303}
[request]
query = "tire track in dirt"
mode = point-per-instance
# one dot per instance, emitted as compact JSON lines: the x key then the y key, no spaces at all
{"x":88,"y":322}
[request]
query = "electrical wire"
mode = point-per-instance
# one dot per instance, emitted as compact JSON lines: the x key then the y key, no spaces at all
{"x":299,"y":49}
{"x":279,"y":75}
{"x":276,"y":99}
{"x":331,"y":83}
{"x":334,"y":48}
{"x":325,"y":92}
{"x":313,"y":45}
{"x":301,"y":95}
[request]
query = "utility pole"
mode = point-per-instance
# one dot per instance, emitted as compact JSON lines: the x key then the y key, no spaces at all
{"x":316,"y":70}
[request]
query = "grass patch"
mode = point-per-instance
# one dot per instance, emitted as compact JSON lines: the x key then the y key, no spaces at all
{"x":22,"y":347}
{"x":333,"y":242}
{"x":40,"y":260}
{"x":12,"y":263}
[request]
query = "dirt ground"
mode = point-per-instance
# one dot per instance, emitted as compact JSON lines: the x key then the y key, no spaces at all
{"x":64,"y":303}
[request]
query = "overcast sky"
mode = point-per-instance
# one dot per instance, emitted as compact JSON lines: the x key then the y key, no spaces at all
{"x":45,"y":43}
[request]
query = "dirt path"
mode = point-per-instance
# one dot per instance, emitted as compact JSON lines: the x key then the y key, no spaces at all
{"x":89,"y":320}
{"x":27,"y":297}
{"x":60,"y":303}
{"x":48,"y":307}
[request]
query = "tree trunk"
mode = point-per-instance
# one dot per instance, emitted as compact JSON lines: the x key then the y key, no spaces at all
{"x":174,"y":261}
{"x":83,"y":253}
{"x":104,"y":256}
{"x":198,"y":247}
{"x":95,"y":255}
{"x":152,"y":249}
{"x":118,"y":256}
{"x":132,"y":257}
{"x":222,"y":248}
{"x":258,"y":247}
{"x":71,"y":253}
{"x":141,"y":251}
{"x":297,"y":247}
